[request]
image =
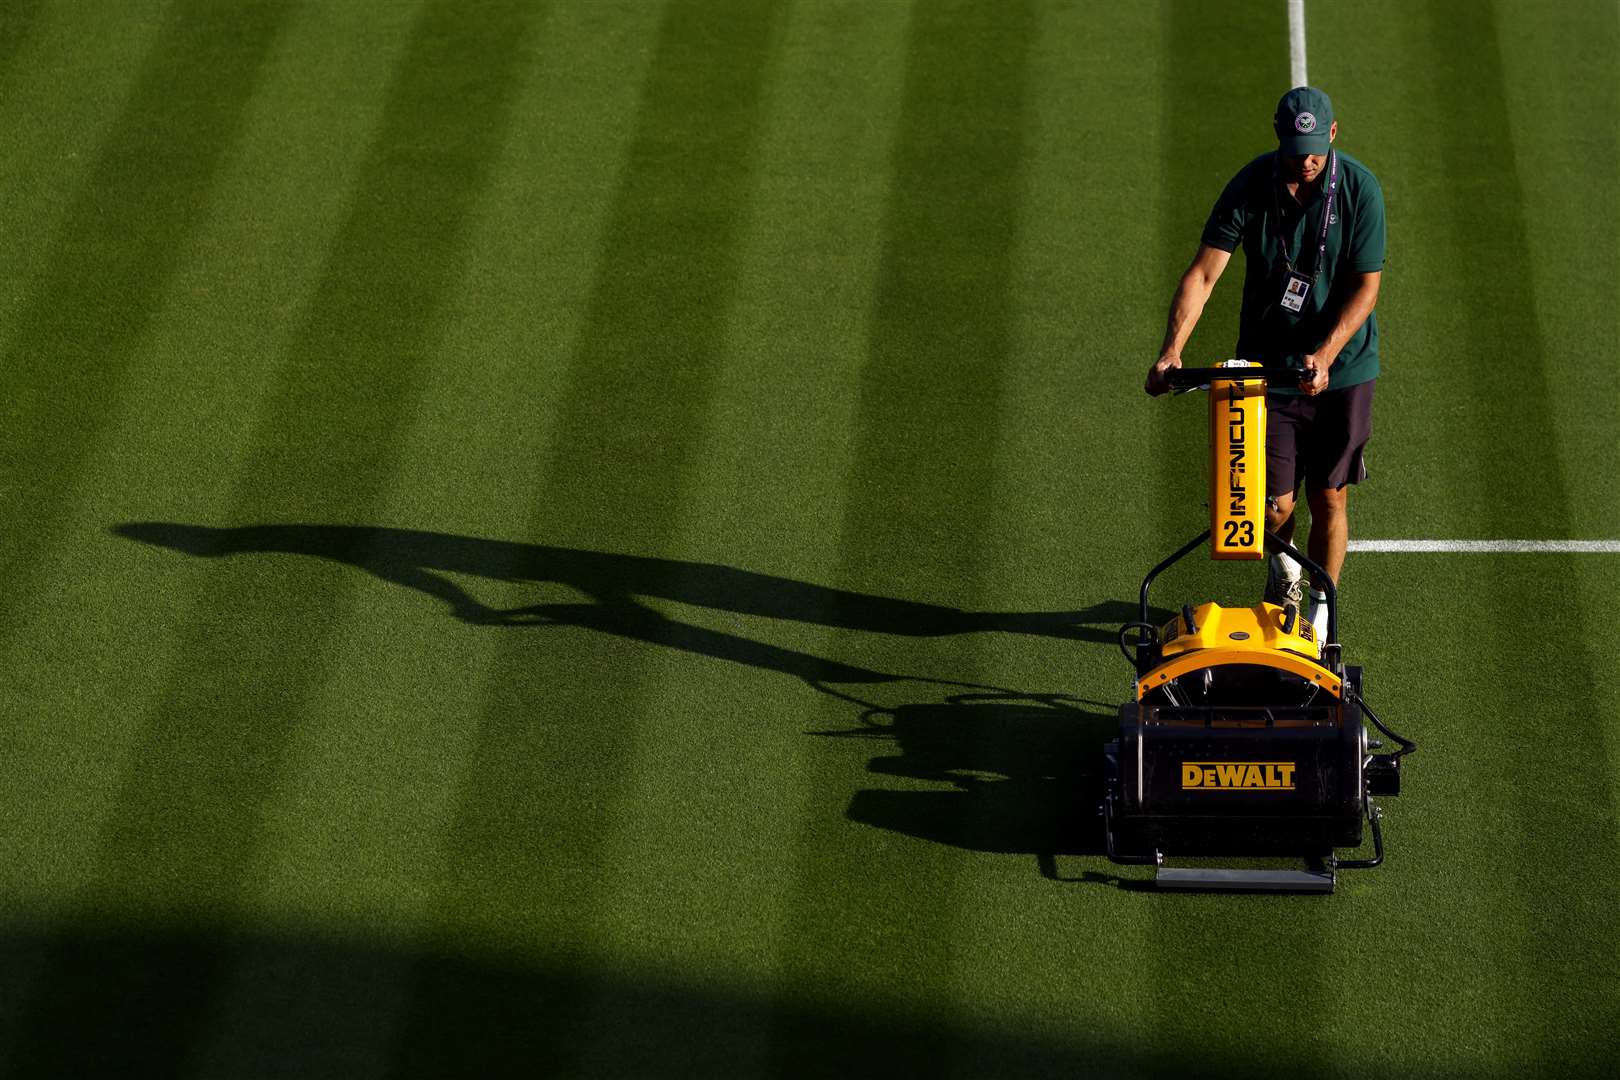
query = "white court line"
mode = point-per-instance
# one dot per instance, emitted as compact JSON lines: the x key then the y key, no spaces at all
{"x":1580,"y":547}
{"x":1296,"y":43}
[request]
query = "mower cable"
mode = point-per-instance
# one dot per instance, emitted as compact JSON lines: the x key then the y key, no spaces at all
{"x":1149,"y":638}
{"x":1407,"y":745}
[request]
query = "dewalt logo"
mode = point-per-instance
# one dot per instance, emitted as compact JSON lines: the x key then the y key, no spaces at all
{"x":1237,"y":776}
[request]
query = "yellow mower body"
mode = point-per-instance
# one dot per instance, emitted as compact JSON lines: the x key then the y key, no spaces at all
{"x":1260,"y":635}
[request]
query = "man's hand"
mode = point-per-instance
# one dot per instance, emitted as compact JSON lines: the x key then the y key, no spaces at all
{"x":1156,"y":384}
{"x":1314,"y":378}
{"x":1357,"y":305}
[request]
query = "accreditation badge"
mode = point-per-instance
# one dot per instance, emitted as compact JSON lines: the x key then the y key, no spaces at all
{"x":1295,"y":291}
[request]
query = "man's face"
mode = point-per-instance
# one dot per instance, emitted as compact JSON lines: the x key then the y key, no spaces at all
{"x":1305,"y":168}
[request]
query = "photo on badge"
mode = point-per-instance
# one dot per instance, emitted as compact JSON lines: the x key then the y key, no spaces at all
{"x":1294,"y":292}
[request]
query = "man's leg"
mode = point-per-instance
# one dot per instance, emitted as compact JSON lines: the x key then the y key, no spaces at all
{"x":1330,"y":534}
{"x":1283,"y":584}
{"x":1280,"y":515}
{"x":1284,"y":576}
{"x":1330,"y":528}
{"x":1336,"y":460}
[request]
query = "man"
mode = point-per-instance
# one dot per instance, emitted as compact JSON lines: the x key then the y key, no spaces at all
{"x":1310,"y":220}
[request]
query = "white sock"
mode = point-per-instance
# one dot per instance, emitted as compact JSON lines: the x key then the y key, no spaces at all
{"x":1319,"y":610}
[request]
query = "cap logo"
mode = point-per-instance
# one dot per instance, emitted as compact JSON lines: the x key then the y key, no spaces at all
{"x":1305,"y":123}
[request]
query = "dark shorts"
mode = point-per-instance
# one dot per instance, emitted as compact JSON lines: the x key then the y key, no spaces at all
{"x":1319,"y":440}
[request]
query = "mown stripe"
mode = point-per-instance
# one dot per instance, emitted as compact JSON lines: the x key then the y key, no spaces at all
{"x":1563,"y":849}
{"x":1224,"y":71}
{"x":183,"y":835}
{"x":17,"y":21}
{"x":179,"y":434}
{"x":1506,"y":402}
{"x":1219,"y":73}
{"x":696,"y":878}
{"x":324,"y":446}
{"x":919,"y":493}
{"x":1070,"y":491}
{"x":564,"y":710}
{"x":120,"y":243}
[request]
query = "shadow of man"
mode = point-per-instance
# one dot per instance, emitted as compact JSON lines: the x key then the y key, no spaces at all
{"x":615,"y":586}
{"x":1019,"y":773}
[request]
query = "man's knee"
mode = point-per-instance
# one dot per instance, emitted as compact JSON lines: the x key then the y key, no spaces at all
{"x":1279,"y":508}
{"x":1326,"y":502}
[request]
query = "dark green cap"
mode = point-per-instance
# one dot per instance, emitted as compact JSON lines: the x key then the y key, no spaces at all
{"x":1304,"y":116}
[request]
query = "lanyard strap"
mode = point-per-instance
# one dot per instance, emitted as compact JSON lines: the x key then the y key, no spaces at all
{"x":1327,"y":217}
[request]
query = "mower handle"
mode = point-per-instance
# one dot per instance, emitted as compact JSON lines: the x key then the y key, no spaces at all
{"x":1189,"y":378}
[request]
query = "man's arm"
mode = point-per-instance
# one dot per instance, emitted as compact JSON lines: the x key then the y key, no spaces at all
{"x":1358,"y":304}
{"x":1191,"y":295}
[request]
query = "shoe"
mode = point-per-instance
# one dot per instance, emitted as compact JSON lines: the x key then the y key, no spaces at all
{"x":1285,"y":582}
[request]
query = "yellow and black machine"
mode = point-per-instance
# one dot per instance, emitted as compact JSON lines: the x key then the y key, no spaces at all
{"x":1246,"y":739}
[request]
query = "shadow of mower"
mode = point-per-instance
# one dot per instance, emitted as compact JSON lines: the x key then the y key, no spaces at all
{"x":1016,"y":774}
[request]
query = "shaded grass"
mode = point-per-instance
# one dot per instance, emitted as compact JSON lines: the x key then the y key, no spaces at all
{"x":317,"y":1014}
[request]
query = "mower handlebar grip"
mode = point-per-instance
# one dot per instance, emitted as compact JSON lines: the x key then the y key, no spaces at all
{"x":1186,"y":377}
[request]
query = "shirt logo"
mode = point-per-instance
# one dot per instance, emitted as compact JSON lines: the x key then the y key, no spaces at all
{"x":1305,"y":123}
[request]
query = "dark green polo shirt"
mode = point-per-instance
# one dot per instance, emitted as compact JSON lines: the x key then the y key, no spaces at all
{"x":1247,"y":214}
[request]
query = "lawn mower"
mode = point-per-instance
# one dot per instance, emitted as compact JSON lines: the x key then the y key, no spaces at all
{"x":1246,"y":741}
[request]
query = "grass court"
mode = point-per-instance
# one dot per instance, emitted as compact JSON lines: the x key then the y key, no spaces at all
{"x":586,"y":537}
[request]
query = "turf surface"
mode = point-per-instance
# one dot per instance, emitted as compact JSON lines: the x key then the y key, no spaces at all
{"x":586,"y":537}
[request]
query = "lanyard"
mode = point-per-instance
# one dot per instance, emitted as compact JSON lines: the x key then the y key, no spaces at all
{"x":1327,"y":208}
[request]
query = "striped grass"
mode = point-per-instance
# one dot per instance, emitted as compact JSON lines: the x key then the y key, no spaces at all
{"x":587,"y":537}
